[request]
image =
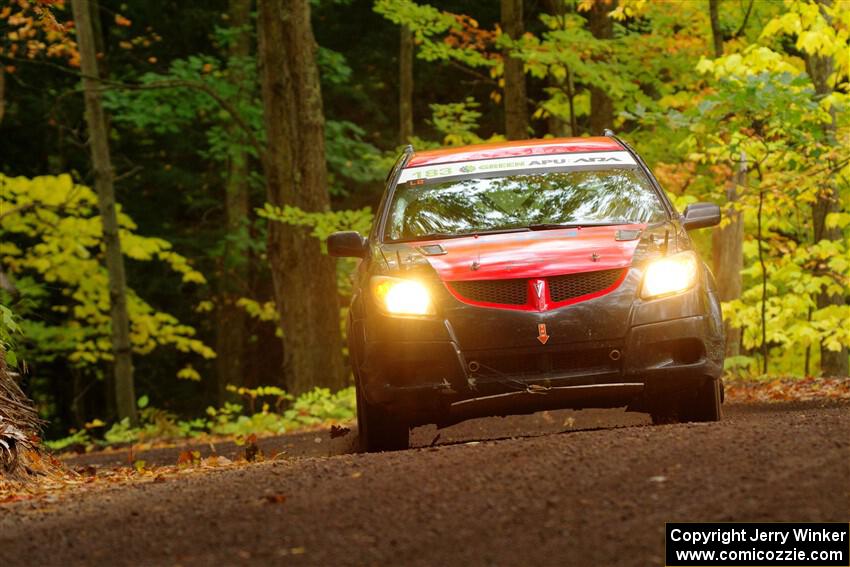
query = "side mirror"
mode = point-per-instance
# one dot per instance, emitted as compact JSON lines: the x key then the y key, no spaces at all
{"x":701,"y":215}
{"x":348,"y":244}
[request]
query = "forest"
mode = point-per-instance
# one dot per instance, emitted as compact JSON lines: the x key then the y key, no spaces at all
{"x":170,"y":171}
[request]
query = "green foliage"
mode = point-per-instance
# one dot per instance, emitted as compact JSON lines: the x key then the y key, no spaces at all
{"x":196,"y":109}
{"x":349,"y":157}
{"x":315,"y":408}
{"x":51,"y":242}
{"x":8,"y":330}
{"x":279,"y":413}
{"x":457,"y":122}
{"x":200,"y":90}
{"x":77,"y":438}
{"x":323,"y":224}
{"x":440,"y":35}
{"x":761,"y":104}
{"x":190,"y":94}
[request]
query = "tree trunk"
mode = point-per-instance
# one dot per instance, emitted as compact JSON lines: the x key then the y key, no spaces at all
{"x":601,"y":105}
{"x":727,"y":242}
{"x":2,"y":92}
{"x":555,"y":124}
{"x":516,"y":113}
{"x":97,"y":38}
{"x":716,"y":34}
{"x":727,"y":252}
{"x":833,"y":363}
{"x":232,"y":320}
{"x":405,"y":94}
{"x":125,"y":396}
{"x":296,"y":174}
{"x":571,"y":96}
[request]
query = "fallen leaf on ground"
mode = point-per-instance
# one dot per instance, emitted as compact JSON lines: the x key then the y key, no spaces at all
{"x":787,"y":389}
{"x":275,"y":498}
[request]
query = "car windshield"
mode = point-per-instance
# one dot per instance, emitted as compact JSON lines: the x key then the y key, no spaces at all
{"x":522,"y":202}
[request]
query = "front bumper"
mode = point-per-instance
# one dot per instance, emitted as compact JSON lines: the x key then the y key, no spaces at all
{"x":426,"y":371}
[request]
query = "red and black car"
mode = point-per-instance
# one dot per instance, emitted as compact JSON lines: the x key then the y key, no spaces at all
{"x":516,"y":277}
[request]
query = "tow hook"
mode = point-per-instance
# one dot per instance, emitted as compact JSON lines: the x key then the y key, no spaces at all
{"x":445,"y":387}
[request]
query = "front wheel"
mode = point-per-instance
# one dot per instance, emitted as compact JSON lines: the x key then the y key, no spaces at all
{"x":378,"y":430}
{"x":704,"y":405}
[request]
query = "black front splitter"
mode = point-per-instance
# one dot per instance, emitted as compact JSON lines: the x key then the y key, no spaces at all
{"x":533,"y":399}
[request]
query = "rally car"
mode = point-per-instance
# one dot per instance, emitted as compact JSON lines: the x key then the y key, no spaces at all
{"x":516,"y":277}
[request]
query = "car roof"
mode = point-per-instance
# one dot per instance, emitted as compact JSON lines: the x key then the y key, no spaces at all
{"x":516,"y":148}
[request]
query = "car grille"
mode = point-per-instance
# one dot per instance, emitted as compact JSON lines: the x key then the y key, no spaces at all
{"x":505,"y":292}
{"x":515,"y":292}
{"x":563,"y":288}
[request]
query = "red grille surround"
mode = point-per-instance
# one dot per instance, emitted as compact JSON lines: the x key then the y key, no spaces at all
{"x":538,"y":294}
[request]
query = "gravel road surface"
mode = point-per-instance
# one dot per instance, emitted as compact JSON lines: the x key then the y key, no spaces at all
{"x":557,"y":488}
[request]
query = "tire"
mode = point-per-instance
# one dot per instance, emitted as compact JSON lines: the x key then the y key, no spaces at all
{"x":705,"y":404}
{"x":378,"y":430}
{"x":701,"y":404}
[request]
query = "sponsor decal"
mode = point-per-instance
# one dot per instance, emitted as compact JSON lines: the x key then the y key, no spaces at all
{"x":597,"y":160}
{"x":415,"y":175}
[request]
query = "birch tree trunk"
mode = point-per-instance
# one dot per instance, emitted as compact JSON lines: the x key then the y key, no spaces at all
{"x":296,"y":174}
{"x":125,"y":396}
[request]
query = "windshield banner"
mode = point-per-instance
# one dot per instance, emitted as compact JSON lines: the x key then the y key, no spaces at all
{"x":522,"y":163}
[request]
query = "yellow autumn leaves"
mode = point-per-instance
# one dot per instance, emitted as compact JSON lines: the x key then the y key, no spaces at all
{"x":51,"y":243}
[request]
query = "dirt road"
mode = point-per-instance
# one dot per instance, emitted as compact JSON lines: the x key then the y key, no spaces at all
{"x":562,"y":488}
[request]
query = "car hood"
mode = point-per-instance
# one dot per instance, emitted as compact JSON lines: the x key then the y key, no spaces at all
{"x":532,"y":254}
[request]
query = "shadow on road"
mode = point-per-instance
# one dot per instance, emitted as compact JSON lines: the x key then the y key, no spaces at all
{"x":319,"y":443}
{"x":534,"y":425}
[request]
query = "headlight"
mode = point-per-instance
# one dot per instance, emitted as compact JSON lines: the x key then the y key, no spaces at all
{"x":402,"y":297}
{"x":670,"y":274}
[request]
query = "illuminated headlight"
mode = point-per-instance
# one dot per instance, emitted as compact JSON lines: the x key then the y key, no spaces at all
{"x":402,"y":297}
{"x":670,"y":274}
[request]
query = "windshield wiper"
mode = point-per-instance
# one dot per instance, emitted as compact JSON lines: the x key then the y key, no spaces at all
{"x":430,"y":236}
{"x":445,"y":235}
{"x":555,"y":226}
